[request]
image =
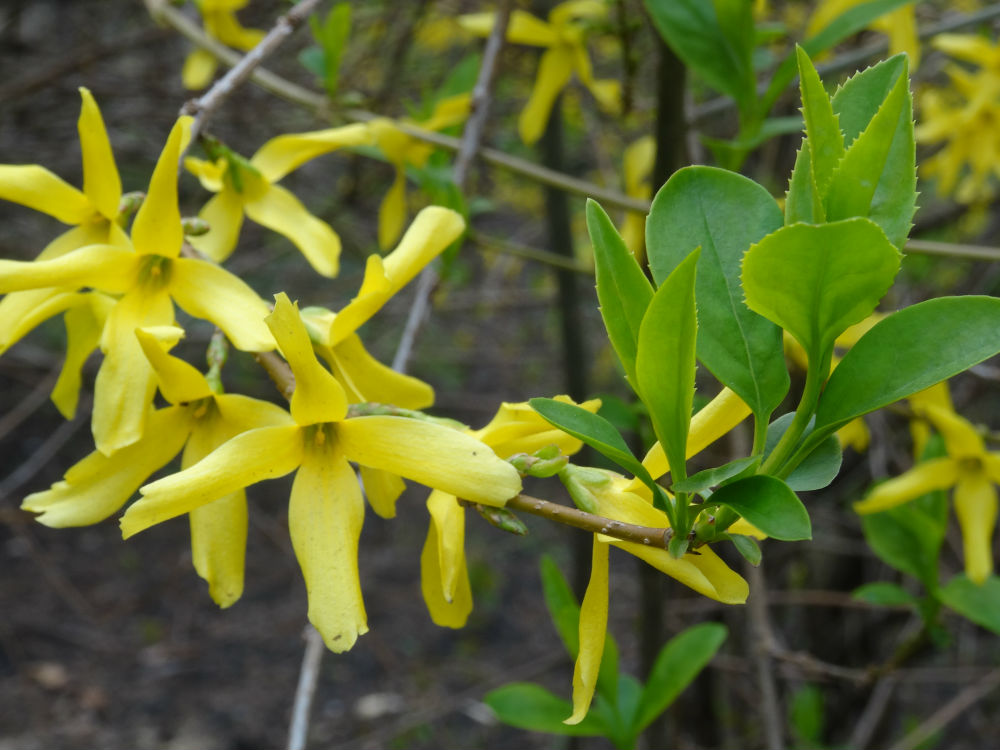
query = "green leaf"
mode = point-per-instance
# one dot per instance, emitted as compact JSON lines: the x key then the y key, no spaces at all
{"x":529,"y":706}
{"x":910,"y":350}
{"x":885,"y":594}
{"x":595,"y":431}
{"x":723,"y":213}
{"x":714,"y":39}
{"x":817,"y":280}
{"x":857,"y":102}
{"x":711,"y":477}
{"x":313,"y":60}
{"x":826,"y":142}
{"x":909,"y":537}
{"x":816,"y":470}
{"x":806,"y":715}
{"x":802,"y":201}
{"x":665,"y":360}
{"x":331,"y":35}
{"x":676,"y":666}
{"x":747,"y":546}
{"x":847,"y":23}
{"x":769,"y":504}
{"x":622,"y":288}
{"x":979,"y":603}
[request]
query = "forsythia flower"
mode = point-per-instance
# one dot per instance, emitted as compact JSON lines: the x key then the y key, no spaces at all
{"x":250,"y":187}
{"x":899,"y":25}
{"x":639,"y":159}
{"x":197,"y":420}
{"x":402,"y":150}
{"x":969,"y":468}
{"x":148,"y":279}
{"x":965,"y":118}
{"x":219,"y":18}
{"x":94,"y":213}
{"x":326,"y":508}
{"x":516,"y":428}
{"x":565,"y":54}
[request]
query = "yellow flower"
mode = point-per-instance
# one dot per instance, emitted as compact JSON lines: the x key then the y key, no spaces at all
{"x":401,"y":150}
{"x":920,"y":432}
{"x":965,"y":118}
{"x":198,"y":420}
{"x":969,"y":468}
{"x":562,"y":37}
{"x":900,"y":25}
{"x":250,"y":187}
{"x":326,"y":508}
{"x":612,"y":496}
{"x":219,"y":19}
{"x":148,"y":279}
{"x":516,"y":428}
{"x":639,"y":159}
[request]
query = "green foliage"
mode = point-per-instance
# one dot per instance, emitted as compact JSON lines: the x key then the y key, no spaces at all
{"x":331,"y":36}
{"x":769,"y":504}
{"x":807,"y":716}
{"x":817,"y":469}
{"x":884,"y":594}
{"x":909,"y":537}
{"x":712,"y":477}
{"x":979,"y":603}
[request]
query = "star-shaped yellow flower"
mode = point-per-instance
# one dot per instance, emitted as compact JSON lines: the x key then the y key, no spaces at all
{"x":250,"y":187}
{"x":220,"y":22}
{"x":149,"y":279}
{"x":326,"y":508}
{"x":969,"y":468}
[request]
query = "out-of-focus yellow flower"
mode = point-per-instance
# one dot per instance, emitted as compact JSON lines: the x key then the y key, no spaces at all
{"x":516,"y":428}
{"x":638,"y":166}
{"x":197,"y":420}
{"x":149,"y":280}
{"x":969,"y":468}
{"x":402,"y":150}
{"x":250,"y":187}
{"x":920,"y":432}
{"x":562,"y":38}
{"x":219,"y":19}
{"x":965,"y":120}
{"x":899,"y":25}
{"x":326,"y":509}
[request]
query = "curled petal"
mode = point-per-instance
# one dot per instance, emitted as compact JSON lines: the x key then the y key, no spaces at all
{"x":84,"y":329}
{"x":279,"y":210}
{"x":101,"y":183}
{"x":517,"y":428}
{"x":554,"y":72}
{"x":976,"y":507}
{"x":157,"y":227}
{"x":106,"y":267}
{"x":432,"y":455}
{"x":36,"y":187}
{"x":99,"y":485}
{"x":199,"y":67}
{"x":209,"y":173}
{"x":593,"y":629}
{"x":382,"y":489}
{"x":179,"y":381}
{"x":522,"y":28}
{"x":392,"y":210}
{"x":224,"y":214}
{"x":21,"y":312}
{"x":366,"y":379}
{"x":444,"y":577}
{"x":936,"y":474}
{"x":248,"y":458}
{"x":281,"y":155}
{"x":211,"y":293}
{"x":219,"y":546}
{"x":960,"y":436}
{"x":324,"y":518}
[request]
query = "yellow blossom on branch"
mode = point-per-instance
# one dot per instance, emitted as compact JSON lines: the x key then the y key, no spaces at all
{"x":219,"y":19}
{"x":326,"y":509}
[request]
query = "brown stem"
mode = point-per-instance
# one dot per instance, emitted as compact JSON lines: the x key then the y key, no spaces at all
{"x":626,"y":532}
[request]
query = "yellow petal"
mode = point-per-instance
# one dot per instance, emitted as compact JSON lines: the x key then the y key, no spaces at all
{"x":936,"y":474}
{"x":125,"y":383}
{"x":517,"y":428}
{"x":210,"y":174}
{"x":392,"y":210}
{"x":248,"y":458}
{"x":318,"y":397}
{"x":219,"y":544}
{"x":382,"y":489}
{"x":179,"y":382}
{"x":638,"y":161}
{"x":432,"y":455}
{"x":976,"y":507}
{"x":281,"y":155}
{"x":554,"y":72}
{"x":212,"y":293}
{"x":199,"y":67}
{"x":855,"y":435}
{"x":960,"y":436}
{"x":324,"y":519}
{"x":21,"y":312}
{"x":593,"y":628}
{"x":446,"y":610}
{"x":157,"y":227}
{"x":366,"y":379}
{"x":224,"y":214}
{"x":105,"y":267}
{"x":84,"y":328}
{"x":228,"y":30}
{"x":449,"y":111}
{"x":522,"y":28}
{"x":565,"y":13}
{"x":36,"y":187}
{"x":92,"y":233}
{"x":99,"y":485}
{"x":937,"y":395}
{"x":279,"y":210}
{"x":969,"y":47}
{"x":433,"y":230}
{"x":101,"y":183}
{"x":242,"y":413}
{"x":448,"y":520}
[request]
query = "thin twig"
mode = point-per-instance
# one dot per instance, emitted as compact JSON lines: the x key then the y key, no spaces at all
{"x":29,"y":404}
{"x":950,"y":711}
{"x":472,"y":136}
{"x":866,"y":725}
{"x":953,"y":250}
{"x":279,"y":372}
{"x":647,"y":536}
{"x":510,"y":247}
{"x":763,"y":644}
{"x":308,"y":677}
